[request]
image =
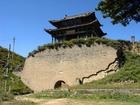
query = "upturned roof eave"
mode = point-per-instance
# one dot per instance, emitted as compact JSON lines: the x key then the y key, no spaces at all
{"x":93,"y":22}
{"x":52,"y":32}
{"x":71,"y":17}
{"x":54,"y":35}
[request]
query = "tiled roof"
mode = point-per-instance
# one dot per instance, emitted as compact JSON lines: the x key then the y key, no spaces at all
{"x":66,"y":17}
{"x":65,"y":28}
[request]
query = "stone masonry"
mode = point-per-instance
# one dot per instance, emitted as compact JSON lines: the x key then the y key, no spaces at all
{"x":70,"y":65}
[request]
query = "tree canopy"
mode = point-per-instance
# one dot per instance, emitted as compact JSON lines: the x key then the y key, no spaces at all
{"x":120,"y":11}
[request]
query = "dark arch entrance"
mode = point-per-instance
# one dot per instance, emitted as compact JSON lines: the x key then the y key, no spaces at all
{"x":58,"y":84}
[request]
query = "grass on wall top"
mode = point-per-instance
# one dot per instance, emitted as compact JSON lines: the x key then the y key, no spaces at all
{"x":79,"y":42}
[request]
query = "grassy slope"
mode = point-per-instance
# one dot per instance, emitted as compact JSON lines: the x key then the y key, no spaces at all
{"x":129,"y":73}
{"x":17,"y":58}
{"x":16,"y":85}
{"x":127,"y":77}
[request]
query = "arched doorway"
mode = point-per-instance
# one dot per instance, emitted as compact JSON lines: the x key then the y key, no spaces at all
{"x":58,"y":84}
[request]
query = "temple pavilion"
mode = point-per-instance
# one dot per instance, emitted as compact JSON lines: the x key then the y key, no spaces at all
{"x":84,"y":25}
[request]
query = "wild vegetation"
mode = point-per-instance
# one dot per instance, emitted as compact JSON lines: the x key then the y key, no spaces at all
{"x":79,"y":42}
{"x":96,"y":96}
{"x":120,"y":11}
{"x":17,"y":59}
{"x":14,"y":85}
{"x":14,"y":102}
{"x":127,"y":77}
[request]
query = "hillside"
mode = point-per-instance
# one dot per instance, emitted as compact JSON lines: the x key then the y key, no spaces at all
{"x":17,"y":59}
{"x":14,"y":83}
{"x":127,"y":77}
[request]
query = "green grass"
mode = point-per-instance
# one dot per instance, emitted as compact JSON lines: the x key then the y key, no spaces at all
{"x":106,"y":96}
{"x":100,"y":85}
{"x":14,"y":83}
{"x":96,"y":96}
{"x":129,"y":72}
{"x":127,"y":77}
{"x":52,"y":94}
{"x":79,"y":42}
{"x":17,"y":59}
{"x":17,"y":103}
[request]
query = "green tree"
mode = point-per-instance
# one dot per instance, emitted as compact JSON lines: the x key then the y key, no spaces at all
{"x":120,"y":11}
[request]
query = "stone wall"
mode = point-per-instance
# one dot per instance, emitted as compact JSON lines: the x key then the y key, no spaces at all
{"x":66,"y":64}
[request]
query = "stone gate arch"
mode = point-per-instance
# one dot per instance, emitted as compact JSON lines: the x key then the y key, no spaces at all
{"x":58,"y":84}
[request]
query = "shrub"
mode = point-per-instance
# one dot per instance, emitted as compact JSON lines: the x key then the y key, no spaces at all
{"x":5,"y":96}
{"x":53,"y":94}
{"x":88,"y":42}
{"x":67,"y":44}
{"x":50,"y":46}
{"x":41,"y":48}
{"x":57,"y":45}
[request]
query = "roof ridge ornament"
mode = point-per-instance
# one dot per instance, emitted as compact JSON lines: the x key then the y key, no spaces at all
{"x":75,"y":26}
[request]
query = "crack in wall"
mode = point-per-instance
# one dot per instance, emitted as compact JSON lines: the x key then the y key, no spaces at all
{"x":119,"y":60}
{"x":69,"y":64}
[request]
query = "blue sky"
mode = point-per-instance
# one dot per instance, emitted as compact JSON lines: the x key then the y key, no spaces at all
{"x":26,"y":20}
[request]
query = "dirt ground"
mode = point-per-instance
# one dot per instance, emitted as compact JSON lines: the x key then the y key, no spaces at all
{"x":65,"y":101}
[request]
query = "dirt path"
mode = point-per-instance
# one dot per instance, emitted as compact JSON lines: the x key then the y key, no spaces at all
{"x":62,"y":101}
{"x":27,"y":98}
{"x":65,"y":101}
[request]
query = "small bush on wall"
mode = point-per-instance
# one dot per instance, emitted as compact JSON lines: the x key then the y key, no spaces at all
{"x":82,"y":41}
